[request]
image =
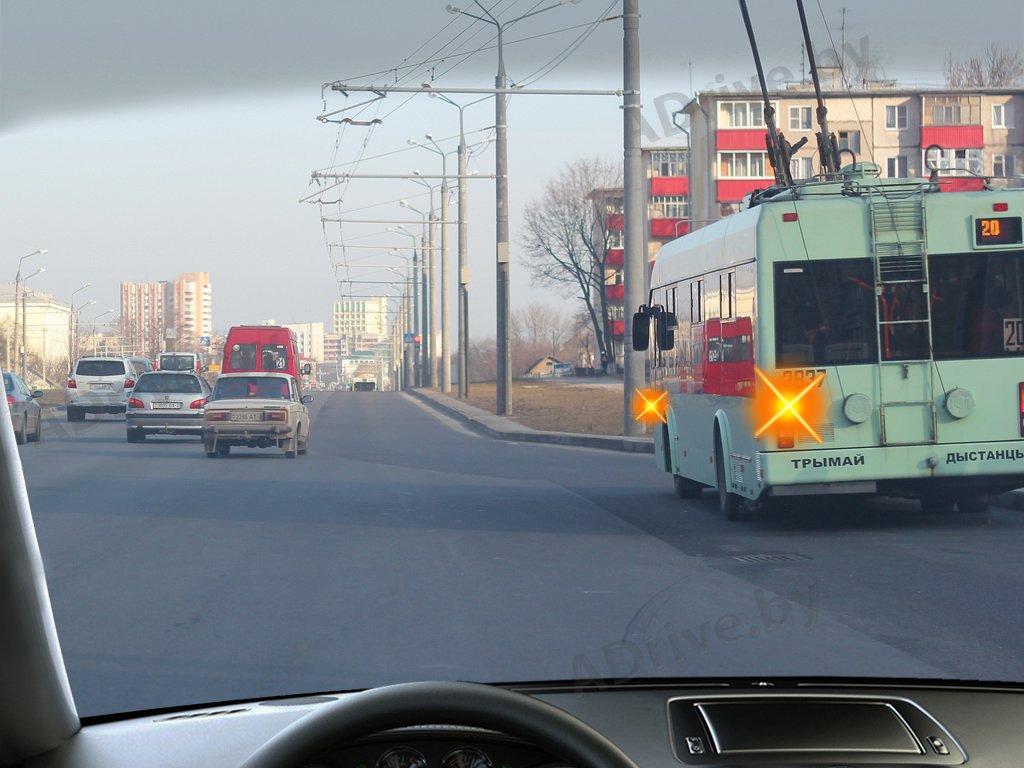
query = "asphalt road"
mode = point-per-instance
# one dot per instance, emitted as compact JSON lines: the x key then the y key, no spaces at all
{"x":406,"y":547}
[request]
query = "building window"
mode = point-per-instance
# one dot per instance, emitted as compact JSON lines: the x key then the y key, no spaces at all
{"x":799,"y":118}
{"x":1002,"y":165}
{"x":850,"y":140}
{"x":668,"y":163}
{"x":953,"y":110}
{"x":741,"y":114}
{"x":741,"y":165}
{"x":668,"y":207}
{"x":896,"y":116}
{"x":614,"y":205}
{"x":896,"y":167}
{"x":615,"y":238}
{"x":801,"y":167}
{"x":962,"y":159}
{"x":1002,"y":115}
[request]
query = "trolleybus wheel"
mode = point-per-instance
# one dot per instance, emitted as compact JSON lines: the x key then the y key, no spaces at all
{"x":686,"y":488}
{"x":728,"y":503}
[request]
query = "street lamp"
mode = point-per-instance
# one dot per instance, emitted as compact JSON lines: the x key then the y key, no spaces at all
{"x":504,"y":405}
{"x":101,"y":314}
{"x":17,"y":286}
{"x":24,"y":316}
{"x":462,"y":299}
{"x":401,"y":230}
{"x":429,"y":306}
{"x":73,"y":327}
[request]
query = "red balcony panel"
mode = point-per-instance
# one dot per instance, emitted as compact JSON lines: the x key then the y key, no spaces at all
{"x":618,"y":328}
{"x":615,"y":292}
{"x":614,"y":222}
{"x":733,"y":190}
{"x":966,"y":184}
{"x":669,"y":227}
{"x":743,"y":138}
{"x":953,"y":136}
{"x":615,"y":256}
{"x":670,"y":185}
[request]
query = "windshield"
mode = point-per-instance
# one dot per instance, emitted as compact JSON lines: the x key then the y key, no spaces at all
{"x":431,"y":450}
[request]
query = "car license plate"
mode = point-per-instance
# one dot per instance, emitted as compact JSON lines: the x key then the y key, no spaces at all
{"x":166,"y":405}
{"x":99,"y":385}
{"x":247,"y":416}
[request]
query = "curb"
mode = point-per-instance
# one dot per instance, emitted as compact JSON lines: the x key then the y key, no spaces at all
{"x":503,"y":428}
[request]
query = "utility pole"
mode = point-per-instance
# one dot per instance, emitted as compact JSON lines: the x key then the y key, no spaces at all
{"x":504,"y":405}
{"x":635,"y":261}
{"x":463,"y":297}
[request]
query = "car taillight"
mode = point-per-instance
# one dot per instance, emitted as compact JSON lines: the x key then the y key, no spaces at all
{"x":134,"y":402}
{"x":1020,"y":406}
{"x":129,"y":384}
{"x":198,"y":403}
{"x":216,"y":415}
{"x":10,"y":399}
{"x":72,"y":384}
{"x":275,"y":415}
{"x":786,"y":437}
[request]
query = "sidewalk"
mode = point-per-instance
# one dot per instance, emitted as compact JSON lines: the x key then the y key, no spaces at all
{"x":506,"y":428}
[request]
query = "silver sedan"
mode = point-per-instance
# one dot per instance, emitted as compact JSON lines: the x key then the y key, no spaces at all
{"x":166,"y":403}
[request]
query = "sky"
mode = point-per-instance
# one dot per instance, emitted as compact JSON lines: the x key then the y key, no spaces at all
{"x":141,"y":139}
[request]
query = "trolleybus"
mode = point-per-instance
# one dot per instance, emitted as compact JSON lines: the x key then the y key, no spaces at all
{"x":862,"y":335}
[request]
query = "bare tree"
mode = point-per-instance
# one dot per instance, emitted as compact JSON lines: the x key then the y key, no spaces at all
{"x":566,"y":235}
{"x":996,"y":67}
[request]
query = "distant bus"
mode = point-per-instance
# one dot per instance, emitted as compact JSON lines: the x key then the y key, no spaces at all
{"x":365,"y":379}
{"x":180,"y":361}
{"x":262,"y":348}
{"x":898,"y":309}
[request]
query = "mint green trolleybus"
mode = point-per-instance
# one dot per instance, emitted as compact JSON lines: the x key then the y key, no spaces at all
{"x":858,"y":335}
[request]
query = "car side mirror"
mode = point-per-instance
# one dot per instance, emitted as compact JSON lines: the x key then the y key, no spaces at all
{"x":307,"y":369}
{"x":642,"y":328}
{"x":38,"y":393}
{"x":307,"y":398}
{"x":666,"y":324}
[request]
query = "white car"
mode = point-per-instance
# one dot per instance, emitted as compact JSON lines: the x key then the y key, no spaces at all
{"x":99,"y":385}
{"x":256,"y":410}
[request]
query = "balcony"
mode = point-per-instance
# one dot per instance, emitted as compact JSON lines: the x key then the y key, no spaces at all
{"x":670,"y":185}
{"x":618,"y":328}
{"x":615,"y":292}
{"x":670,"y":228}
{"x":615,"y":257}
{"x":953,"y":136}
{"x":614,"y":222}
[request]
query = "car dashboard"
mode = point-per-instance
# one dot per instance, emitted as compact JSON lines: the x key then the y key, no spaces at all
{"x":753,"y":723}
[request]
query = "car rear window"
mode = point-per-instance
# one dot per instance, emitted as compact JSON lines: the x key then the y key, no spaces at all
{"x":177,"y":363}
{"x":260,"y":387}
{"x":100,"y":368}
{"x":172,"y":382}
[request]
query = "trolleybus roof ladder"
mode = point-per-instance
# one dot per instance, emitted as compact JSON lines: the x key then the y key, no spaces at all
{"x":907,"y":413}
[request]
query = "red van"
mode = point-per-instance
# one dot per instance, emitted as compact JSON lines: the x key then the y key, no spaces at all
{"x":261,"y":348}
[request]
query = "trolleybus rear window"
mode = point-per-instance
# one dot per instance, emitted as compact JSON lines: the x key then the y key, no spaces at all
{"x":977,"y":302}
{"x":824,"y":313}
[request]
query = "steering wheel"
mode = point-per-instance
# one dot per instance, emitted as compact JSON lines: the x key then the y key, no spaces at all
{"x":410,"y":704}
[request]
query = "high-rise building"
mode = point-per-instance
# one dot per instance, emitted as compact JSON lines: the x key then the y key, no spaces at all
{"x":145,"y":308}
{"x":310,"y":340}
{"x":364,"y":316}
{"x":193,"y":310}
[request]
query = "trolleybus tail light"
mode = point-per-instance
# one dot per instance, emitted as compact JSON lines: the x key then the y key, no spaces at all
{"x":1000,"y":207}
{"x":786,"y":439}
{"x":1020,"y":407}
{"x":791,"y":216}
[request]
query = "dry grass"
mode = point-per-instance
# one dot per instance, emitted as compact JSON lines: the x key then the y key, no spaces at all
{"x":558,"y":406}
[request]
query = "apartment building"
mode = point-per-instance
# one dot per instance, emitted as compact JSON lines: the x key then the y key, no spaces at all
{"x":193,"y":310}
{"x":145,"y":310}
{"x":976,"y":131}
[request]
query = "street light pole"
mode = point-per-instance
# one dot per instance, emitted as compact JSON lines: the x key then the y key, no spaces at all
{"x":24,"y":318}
{"x":17,"y":287}
{"x":504,"y":404}
{"x":73,"y":327}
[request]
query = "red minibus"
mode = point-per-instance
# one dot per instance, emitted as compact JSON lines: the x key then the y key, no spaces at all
{"x":261,"y":348}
